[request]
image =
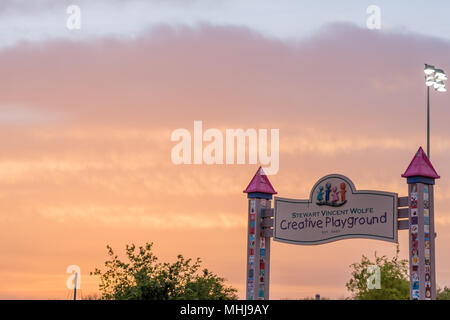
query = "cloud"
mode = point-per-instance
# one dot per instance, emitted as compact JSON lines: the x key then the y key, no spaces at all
{"x":210,"y":72}
{"x":346,"y":100}
{"x":17,"y":115}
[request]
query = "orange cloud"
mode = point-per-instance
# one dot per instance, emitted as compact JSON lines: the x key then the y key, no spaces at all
{"x":86,"y":161}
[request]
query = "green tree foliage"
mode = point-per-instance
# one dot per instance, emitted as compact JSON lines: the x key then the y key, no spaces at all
{"x":93,"y":296}
{"x":142,"y":277}
{"x":443,"y":294}
{"x":314,"y":298}
{"x":394,"y":279}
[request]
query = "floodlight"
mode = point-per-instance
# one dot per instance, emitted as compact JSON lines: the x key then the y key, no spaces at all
{"x":429,"y":69}
{"x":440,"y":74}
{"x":430,"y":81}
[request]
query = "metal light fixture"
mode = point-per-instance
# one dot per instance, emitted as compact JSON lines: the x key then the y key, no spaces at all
{"x":435,"y":78}
{"x":429,"y":69}
{"x":430,"y":81}
{"x":440,"y":74}
{"x":439,"y":84}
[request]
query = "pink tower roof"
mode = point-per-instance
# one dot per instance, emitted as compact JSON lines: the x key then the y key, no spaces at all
{"x":260,"y":183}
{"x":420,"y":166}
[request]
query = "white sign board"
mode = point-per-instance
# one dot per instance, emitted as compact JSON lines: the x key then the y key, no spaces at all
{"x":335,"y":210}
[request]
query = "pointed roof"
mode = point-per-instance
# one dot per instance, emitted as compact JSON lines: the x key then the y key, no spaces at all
{"x":420,"y":166}
{"x":260,"y":183}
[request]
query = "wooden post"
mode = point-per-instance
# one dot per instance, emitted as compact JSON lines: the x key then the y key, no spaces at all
{"x":259,"y":194}
{"x":420,"y":178}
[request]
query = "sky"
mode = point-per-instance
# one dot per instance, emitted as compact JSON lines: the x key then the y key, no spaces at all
{"x":86,"y":118}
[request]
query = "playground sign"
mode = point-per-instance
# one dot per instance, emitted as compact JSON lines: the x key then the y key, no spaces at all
{"x":335,"y":210}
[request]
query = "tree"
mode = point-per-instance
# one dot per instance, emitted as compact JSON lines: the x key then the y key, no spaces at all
{"x":93,"y":296}
{"x":142,"y":277}
{"x":443,"y":294}
{"x":394,"y":284}
{"x":314,"y":298}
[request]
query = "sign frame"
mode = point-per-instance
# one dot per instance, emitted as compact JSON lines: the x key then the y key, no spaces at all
{"x":354,"y":191}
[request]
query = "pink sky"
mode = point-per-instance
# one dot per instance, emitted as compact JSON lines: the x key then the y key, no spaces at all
{"x":85,"y":157}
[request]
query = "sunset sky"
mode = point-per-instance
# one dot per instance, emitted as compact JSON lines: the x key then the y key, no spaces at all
{"x":86,"y":118}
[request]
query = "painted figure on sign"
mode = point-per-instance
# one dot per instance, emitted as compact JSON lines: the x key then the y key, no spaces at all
{"x":414,"y":242}
{"x":320,"y":194}
{"x":427,"y":292}
{"x":343,"y":191}
{"x":327,"y":192}
{"x":414,"y":201}
{"x":335,"y":194}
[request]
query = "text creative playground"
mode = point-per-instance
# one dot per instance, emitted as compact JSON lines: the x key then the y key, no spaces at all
{"x":328,"y":218}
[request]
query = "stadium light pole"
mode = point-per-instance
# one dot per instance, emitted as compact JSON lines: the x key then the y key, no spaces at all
{"x":433,"y":78}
